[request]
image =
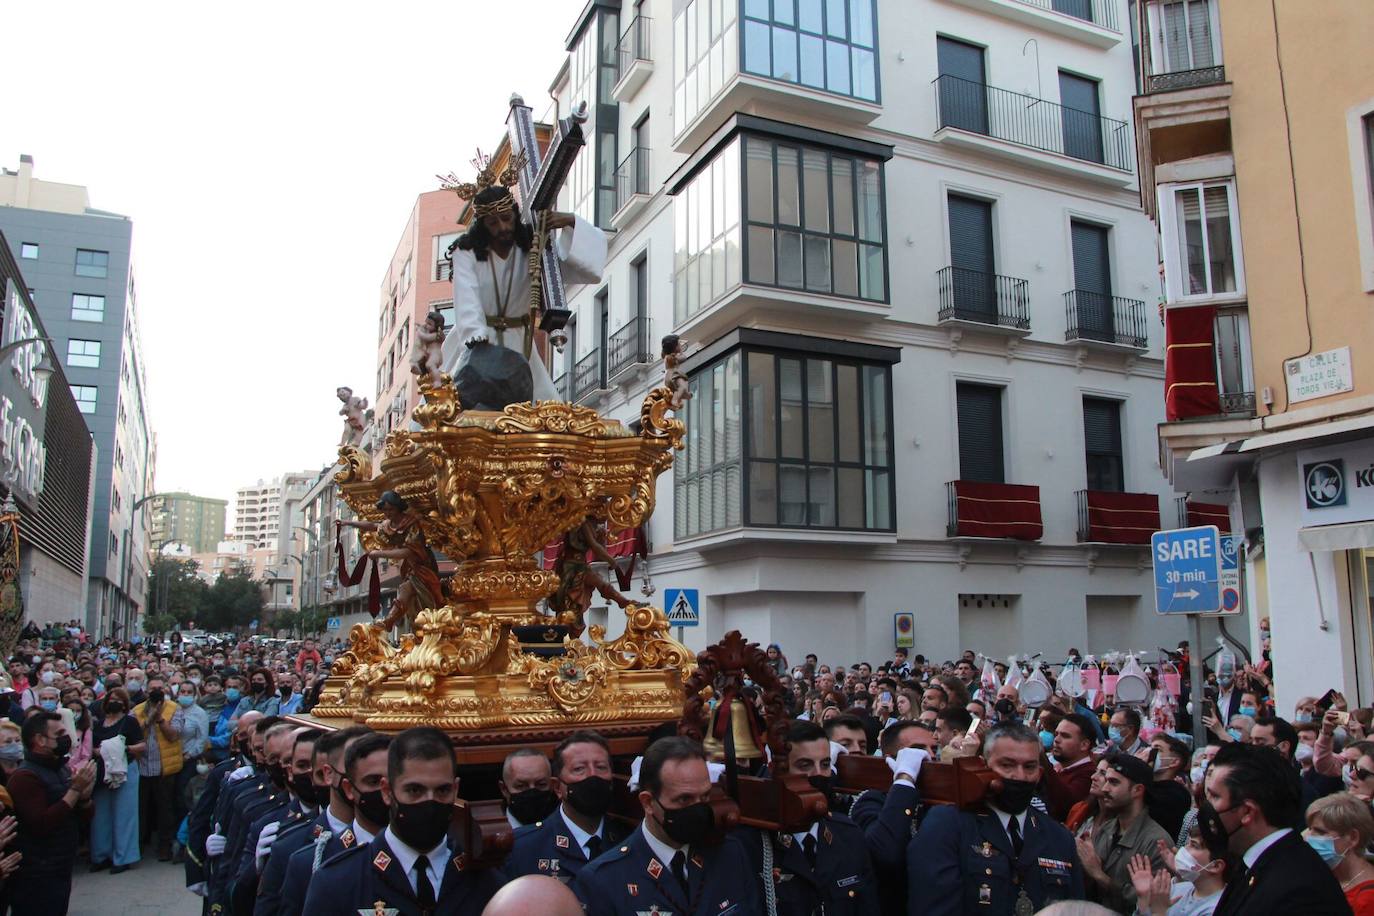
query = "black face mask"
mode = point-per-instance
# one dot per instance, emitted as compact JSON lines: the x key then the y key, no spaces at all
{"x":532,"y":805}
{"x":1214,"y":832}
{"x":64,"y":746}
{"x":1005,"y":709}
{"x":590,"y":796}
{"x":284,"y":691}
{"x":278,"y":774}
{"x":826,"y":786}
{"x":307,"y":791}
{"x":258,"y":687}
{"x":371,"y":806}
{"x":689,"y":825}
{"x":1015,"y":795}
{"x":421,"y":825}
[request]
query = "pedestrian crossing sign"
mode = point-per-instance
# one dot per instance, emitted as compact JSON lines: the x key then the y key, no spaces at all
{"x":683,"y":606}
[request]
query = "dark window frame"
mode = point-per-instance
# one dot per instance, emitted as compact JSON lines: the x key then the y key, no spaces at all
{"x":747,"y":222}
{"x":793,"y":347}
{"x":1094,"y":475}
{"x":1001,"y":390}
{"x":23,"y":249}
{"x":94,"y":269}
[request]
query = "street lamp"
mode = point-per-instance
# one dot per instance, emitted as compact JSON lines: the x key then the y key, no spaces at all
{"x":44,"y":370}
{"x":128,"y":539}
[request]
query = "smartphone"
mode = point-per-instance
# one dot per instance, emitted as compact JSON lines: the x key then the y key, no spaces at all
{"x":973,"y":727}
{"x":1342,"y":718}
{"x":1327,"y":700}
{"x":885,"y":697}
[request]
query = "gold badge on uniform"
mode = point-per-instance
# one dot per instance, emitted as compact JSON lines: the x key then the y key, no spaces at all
{"x":382,"y":861}
{"x":561,"y":842}
{"x":347,"y":839}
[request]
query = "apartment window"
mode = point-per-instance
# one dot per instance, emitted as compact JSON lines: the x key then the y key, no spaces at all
{"x":981,"y":453}
{"x":815,"y":220}
{"x":114,"y":498}
{"x":92,"y":263}
{"x":963,"y":92}
{"x":607,"y":158}
{"x":1102,"y":443}
{"x":403,"y":339}
{"x":705,"y":56}
{"x":443,"y":265}
{"x":786,"y":438}
{"x":88,"y":308}
{"x":706,"y":235}
{"x":444,"y":308}
{"x":28,"y":250}
{"x":1184,"y":36}
{"x":639,"y":282}
{"x":1200,"y":227}
{"x":114,"y":545}
{"x":83,"y":353}
{"x":608,"y":57}
{"x":826,"y":45}
{"x":1092,"y":279}
{"x":1080,"y":115}
{"x":85,"y":397}
{"x":972,"y":259}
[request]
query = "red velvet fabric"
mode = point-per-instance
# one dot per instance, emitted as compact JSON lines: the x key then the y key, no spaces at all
{"x":1122,"y":518}
{"x":998,"y":510}
{"x":1209,"y":514}
{"x":1190,"y":368}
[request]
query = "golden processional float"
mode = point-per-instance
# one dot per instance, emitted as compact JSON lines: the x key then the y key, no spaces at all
{"x":484,"y":663}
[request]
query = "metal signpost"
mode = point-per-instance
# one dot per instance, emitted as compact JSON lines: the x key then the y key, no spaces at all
{"x":1187,"y":565}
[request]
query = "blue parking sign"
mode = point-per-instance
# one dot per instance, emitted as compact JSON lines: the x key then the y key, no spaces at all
{"x":1187,"y":566}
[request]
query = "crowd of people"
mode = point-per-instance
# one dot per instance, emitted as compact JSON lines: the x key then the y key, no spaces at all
{"x":186,"y":751}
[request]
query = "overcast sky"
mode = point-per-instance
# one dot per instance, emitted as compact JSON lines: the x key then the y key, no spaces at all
{"x":269,"y":155}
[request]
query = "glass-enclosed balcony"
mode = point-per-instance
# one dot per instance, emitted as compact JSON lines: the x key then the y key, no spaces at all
{"x":812,"y":52}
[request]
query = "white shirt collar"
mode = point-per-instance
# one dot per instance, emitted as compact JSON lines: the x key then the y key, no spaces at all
{"x":661,"y":850}
{"x":813,"y":832}
{"x":1086,"y":758}
{"x":510,"y":819}
{"x":406,"y":856}
{"x":1005,"y":818}
{"x":1257,"y":849}
{"x":336,"y":826}
{"x":580,"y":835}
{"x":361,"y":835}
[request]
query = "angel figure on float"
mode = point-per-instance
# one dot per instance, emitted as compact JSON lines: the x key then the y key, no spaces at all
{"x":674,"y":349}
{"x":427,"y":354}
{"x":354,"y":412}
{"x":405,"y":543}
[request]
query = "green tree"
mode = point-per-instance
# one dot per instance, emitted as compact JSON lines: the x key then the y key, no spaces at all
{"x":158,"y":623}
{"x":234,"y":601}
{"x":175,"y":588}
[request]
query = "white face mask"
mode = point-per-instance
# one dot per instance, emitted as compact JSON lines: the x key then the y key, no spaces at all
{"x":1187,"y":867}
{"x":47,"y":677}
{"x":1196,"y":774}
{"x":1304,"y":753}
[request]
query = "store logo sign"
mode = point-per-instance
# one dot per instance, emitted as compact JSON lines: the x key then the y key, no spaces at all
{"x":1324,"y":483}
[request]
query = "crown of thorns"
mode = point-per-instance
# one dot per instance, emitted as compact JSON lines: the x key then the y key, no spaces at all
{"x":487,"y":176}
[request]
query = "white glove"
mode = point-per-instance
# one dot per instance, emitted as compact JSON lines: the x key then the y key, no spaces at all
{"x":836,"y":749}
{"x":265,"y":840}
{"x":714,"y":770}
{"x":242,"y":772}
{"x":214,"y":844}
{"x":634,"y":773}
{"x":199,"y":889}
{"x":908,"y":763}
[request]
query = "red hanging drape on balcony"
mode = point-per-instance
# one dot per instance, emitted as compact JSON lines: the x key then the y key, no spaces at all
{"x":1122,"y":518}
{"x":629,"y":543}
{"x":1210,"y":514}
{"x":998,"y":510}
{"x":1190,"y":363}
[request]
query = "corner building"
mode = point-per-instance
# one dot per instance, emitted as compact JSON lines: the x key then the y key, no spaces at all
{"x":905,"y":240}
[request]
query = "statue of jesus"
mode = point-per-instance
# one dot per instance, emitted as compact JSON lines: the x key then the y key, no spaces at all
{"x":491,"y":283}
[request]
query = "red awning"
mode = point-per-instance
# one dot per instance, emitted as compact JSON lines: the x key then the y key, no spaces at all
{"x":1122,"y":518}
{"x":1210,"y":514}
{"x":1190,"y":370}
{"x":998,"y":510}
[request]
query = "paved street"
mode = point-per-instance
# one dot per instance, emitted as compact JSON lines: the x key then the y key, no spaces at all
{"x":151,"y":887}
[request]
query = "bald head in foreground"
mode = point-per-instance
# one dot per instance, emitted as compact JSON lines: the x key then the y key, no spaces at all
{"x":534,"y":894}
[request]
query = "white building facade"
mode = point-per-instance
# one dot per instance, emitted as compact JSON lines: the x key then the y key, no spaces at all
{"x":904,"y":239}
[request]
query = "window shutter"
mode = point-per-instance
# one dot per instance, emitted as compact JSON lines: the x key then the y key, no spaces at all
{"x":980,"y":433}
{"x":1102,"y":426}
{"x":970,"y":233}
{"x":1092,"y":269}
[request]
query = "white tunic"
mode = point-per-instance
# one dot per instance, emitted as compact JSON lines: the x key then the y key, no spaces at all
{"x":582,"y":252}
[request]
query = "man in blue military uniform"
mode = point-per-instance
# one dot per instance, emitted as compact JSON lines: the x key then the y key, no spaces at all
{"x":664,"y":866}
{"x":364,"y":768}
{"x":825,"y":868}
{"x":577,"y":831}
{"x":292,"y":750}
{"x":527,"y":787}
{"x":245,"y":793}
{"x":200,"y":822}
{"x":315,"y":787}
{"x":412,"y":867}
{"x":888,"y":819}
{"x":1002,"y":860}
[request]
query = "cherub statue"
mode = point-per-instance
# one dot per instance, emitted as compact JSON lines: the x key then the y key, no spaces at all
{"x":427,"y":354}
{"x":674,"y":349}
{"x":576,"y":578}
{"x":354,"y":414}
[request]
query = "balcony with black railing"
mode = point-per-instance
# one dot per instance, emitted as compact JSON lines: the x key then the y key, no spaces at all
{"x":631,"y":186}
{"x":586,"y":376}
{"x":983,"y":298}
{"x":629,"y":347}
{"x":1185,"y":79}
{"x":635,"y":59}
{"x":1061,"y":138}
{"x":1090,"y":21}
{"x":1094,"y":317}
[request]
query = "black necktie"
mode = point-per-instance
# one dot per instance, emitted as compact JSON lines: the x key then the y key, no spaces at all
{"x":1014,"y":831}
{"x":809,"y":847}
{"x":424,"y":890}
{"x":679,"y":867}
{"x":593,"y":847}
